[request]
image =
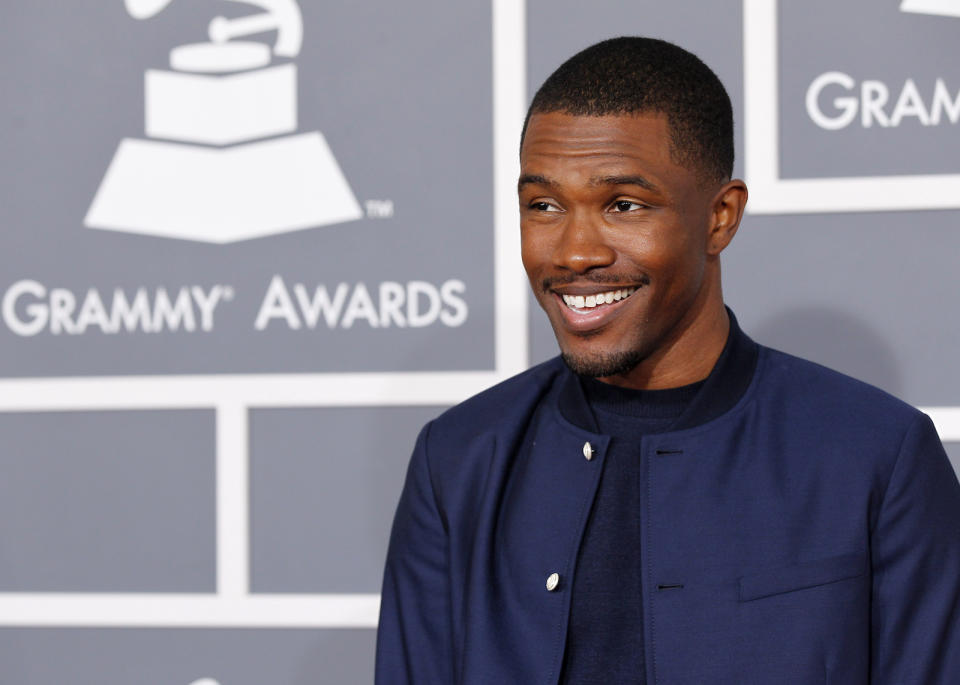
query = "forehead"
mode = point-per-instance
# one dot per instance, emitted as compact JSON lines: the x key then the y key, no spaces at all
{"x":567,"y":143}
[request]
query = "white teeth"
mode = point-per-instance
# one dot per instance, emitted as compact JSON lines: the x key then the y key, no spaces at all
{"x":591,"y":301}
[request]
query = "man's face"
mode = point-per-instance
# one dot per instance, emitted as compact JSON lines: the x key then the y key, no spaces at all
{"x":614,"y":236}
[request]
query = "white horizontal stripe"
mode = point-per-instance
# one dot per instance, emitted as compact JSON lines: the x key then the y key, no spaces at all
{"x":190,"y":611}
{"x":854,"y":194}
{"x":283,"y":390}
{"x":255,"y":390}
{"x":947,"y":421}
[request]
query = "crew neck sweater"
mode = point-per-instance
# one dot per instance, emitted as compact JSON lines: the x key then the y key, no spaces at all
{"x":605,"y":634}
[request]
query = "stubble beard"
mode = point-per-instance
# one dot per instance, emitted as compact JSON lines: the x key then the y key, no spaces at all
{"x":602,"y":365}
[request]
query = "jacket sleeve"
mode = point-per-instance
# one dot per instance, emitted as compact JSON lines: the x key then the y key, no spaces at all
{"x":915,"y":553}
{"x":414,"y":635}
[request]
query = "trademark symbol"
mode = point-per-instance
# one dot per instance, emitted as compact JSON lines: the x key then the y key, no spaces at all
{"x":379,"y":209}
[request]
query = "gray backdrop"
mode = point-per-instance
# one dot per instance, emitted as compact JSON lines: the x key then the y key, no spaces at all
{"x":101,"y":497}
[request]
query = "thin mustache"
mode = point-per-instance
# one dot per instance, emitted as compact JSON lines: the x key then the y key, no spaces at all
{"x":552,"y":282}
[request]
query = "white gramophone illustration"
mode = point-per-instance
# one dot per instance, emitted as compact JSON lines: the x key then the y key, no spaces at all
{"x":222,"y":160}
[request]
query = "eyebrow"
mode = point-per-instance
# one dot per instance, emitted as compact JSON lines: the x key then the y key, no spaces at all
{"x":528,"y":179}
{"x":623,"y":181}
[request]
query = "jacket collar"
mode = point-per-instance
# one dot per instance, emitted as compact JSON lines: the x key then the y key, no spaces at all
{"x":727,"y":382}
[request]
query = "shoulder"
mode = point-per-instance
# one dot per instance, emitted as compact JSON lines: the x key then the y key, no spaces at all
{"x":847,"y":431}
{"x":814,"y":392}
{"x":500,"y":405}
{"x":461,"y":446}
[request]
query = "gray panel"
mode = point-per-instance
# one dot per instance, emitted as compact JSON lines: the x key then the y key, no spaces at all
{"x":867,"y":41}
{"x":108,"y":501}
{"x":60,"y":656}
{"x":868,"y":295}
{"x":404,"y":101}
{"x":953,"y":451}
{"x":325,"y":484}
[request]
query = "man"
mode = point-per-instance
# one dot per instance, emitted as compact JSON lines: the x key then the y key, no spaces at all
{"x":670,"y":502}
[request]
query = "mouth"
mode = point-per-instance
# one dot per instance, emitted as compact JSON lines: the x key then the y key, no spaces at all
{"x":584,"y":303}
{"x":585,"y":312}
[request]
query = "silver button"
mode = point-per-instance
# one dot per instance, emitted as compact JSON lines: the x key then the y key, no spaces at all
{"x":553,"y":580}
{"x":588,"y":451}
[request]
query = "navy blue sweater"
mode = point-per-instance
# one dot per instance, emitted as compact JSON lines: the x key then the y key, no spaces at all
{"x":605,"y":634}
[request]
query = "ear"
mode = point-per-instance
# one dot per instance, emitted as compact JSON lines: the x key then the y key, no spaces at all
{"x":726,"y":212}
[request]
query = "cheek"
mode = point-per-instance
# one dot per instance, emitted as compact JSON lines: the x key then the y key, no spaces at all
{"x":657,"y":253}
{"x":675,"y":267}
{"x":680,"y":249}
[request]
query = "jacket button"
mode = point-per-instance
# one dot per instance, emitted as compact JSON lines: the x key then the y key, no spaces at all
{"x":587,"y":451}
{"x":553,"y":580}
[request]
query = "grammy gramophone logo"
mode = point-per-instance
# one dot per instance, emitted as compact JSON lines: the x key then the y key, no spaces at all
{"x":222,"y":160}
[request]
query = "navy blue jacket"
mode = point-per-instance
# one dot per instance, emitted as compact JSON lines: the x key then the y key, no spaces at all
{"x":808,"y":534}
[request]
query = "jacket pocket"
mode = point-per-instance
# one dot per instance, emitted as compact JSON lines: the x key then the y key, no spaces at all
{"x":801,"y":576}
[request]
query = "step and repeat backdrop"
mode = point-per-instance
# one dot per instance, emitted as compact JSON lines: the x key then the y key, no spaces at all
{"x":250,"y":247}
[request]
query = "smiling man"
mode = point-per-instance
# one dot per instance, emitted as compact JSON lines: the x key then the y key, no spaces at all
{"x":668,"y":501}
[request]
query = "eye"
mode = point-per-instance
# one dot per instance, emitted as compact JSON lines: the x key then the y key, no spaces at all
{"x":626,"y":206}
{"x":543,"y":206}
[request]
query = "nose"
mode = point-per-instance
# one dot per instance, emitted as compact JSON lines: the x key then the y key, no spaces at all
{"x":582,"y":247}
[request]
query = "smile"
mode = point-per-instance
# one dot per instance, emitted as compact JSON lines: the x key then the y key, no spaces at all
{"x":585,"y":302}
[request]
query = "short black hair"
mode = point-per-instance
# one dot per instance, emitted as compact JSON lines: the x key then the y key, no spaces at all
{"x":635,"y":75}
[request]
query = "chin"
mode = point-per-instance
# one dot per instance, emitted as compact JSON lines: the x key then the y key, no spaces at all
{"x":602,"y":364}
